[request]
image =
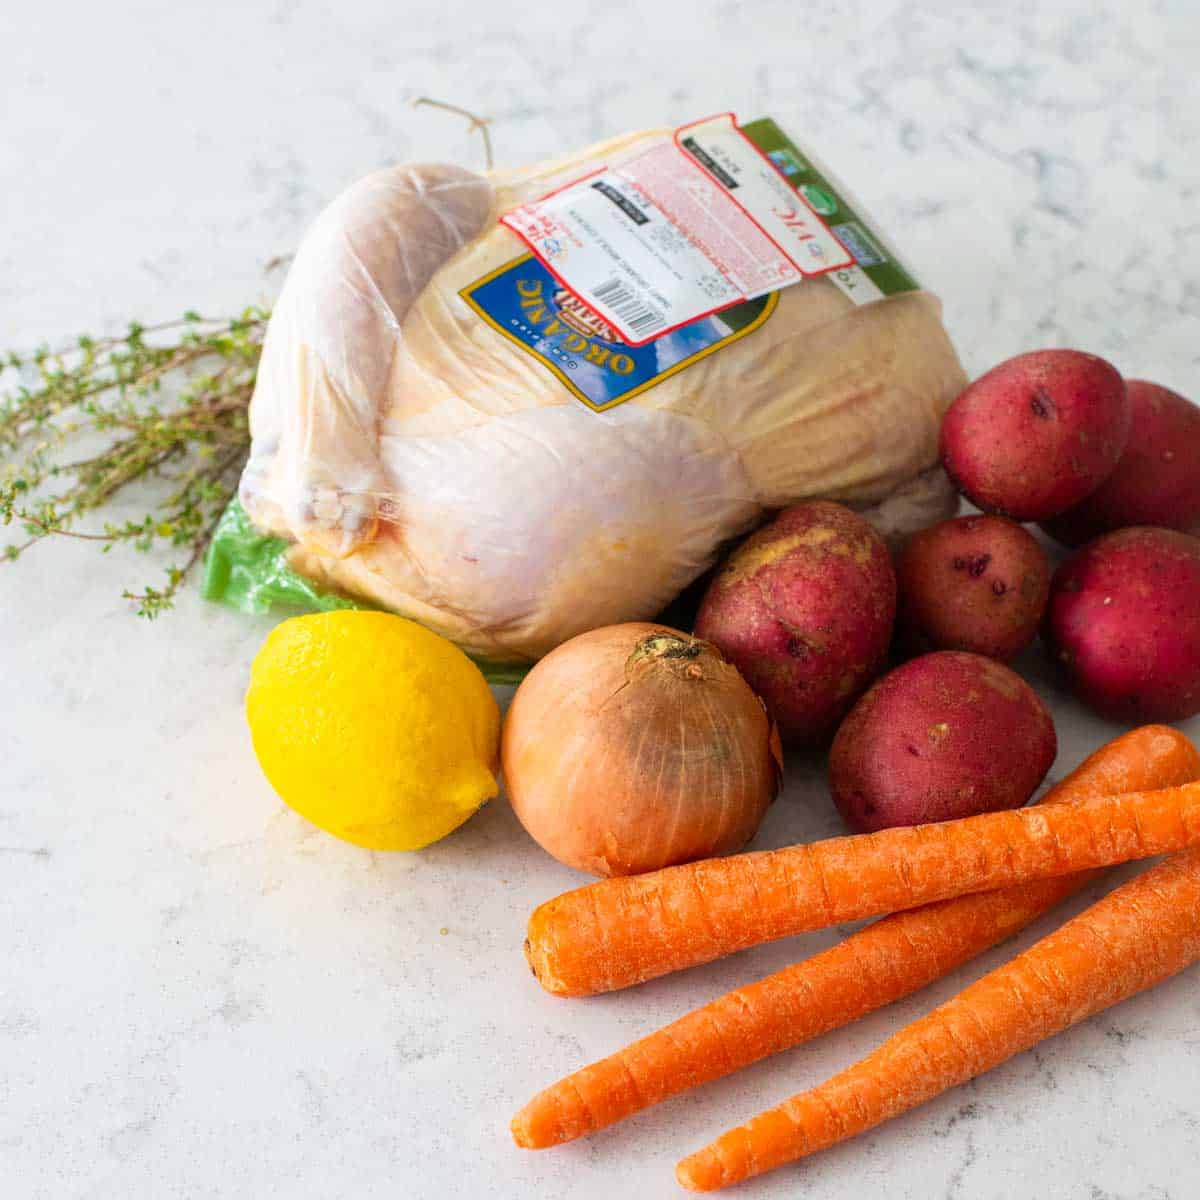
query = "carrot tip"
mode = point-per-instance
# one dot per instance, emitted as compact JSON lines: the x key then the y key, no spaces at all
{"x":519,"y":1128}
{"x":689,"y":1173}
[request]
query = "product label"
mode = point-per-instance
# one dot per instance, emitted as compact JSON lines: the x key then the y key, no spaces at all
{"x":679,"y":231}
{"x":523,"y":301}
{"x":876,"y":271}
{"x":671,"y":252}
{"x":753,"y":181}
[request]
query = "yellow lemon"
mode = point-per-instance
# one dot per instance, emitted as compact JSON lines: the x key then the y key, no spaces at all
{"x":373,"y":728}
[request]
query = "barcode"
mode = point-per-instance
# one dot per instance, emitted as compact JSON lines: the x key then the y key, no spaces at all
{"x":628,"y":307}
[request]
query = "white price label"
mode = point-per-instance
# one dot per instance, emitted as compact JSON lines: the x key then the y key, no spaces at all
{"x":753,"y":182}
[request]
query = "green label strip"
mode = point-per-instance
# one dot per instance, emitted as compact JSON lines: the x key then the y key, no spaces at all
{"x":827,"y":200}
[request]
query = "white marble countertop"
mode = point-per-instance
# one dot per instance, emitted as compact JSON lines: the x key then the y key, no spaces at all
{"x":201,"y":996}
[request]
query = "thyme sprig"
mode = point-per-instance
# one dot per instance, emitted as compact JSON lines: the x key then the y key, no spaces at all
{"x":166,"y":403}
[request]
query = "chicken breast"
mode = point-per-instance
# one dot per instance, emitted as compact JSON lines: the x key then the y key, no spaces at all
{"x":420,"y":459}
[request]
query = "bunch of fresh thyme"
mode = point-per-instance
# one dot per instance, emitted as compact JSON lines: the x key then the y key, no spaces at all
{"x":167,"y":402}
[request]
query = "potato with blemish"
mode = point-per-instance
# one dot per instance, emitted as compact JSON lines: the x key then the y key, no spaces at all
{"x":946,"y":735}
{"x":1036,"y":434}
{"x":976,"y":583}
{"x":804,"y":608}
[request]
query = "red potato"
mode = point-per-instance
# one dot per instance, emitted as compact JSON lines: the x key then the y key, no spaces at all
{"x":804,"y":609}
{"x":1124,"y":622}
{"x":1036,"y":434}
{"x":1156,"y":481}
{"x":974,"y":583}
{"x":946,"y":735}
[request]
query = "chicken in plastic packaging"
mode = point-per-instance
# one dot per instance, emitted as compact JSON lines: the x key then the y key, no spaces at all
{"x":518,"y":405}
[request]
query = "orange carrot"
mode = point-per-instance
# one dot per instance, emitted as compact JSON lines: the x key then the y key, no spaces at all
{"x":873,"y":967}
{"x":1137,"y":936}
{"x":622,"y":931}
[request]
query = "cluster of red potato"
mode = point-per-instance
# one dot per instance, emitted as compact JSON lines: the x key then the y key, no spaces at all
{"x":807,"y":606}
{"x":1058,"y":437}
{"x":663,"y":752}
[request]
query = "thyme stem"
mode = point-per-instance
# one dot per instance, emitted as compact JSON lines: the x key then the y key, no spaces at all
{"x":176,"y":392}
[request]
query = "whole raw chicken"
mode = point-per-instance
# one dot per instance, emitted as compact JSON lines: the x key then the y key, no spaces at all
{"x":422,"y":461}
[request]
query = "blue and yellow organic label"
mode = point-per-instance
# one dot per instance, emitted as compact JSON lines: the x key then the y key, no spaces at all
{"x":525,"y":303}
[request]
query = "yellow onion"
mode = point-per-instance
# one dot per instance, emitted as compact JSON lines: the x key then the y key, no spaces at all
{"x":636,"y":746}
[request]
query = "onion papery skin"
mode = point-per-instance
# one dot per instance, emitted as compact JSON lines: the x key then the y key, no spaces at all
{"x":636,"y":747}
